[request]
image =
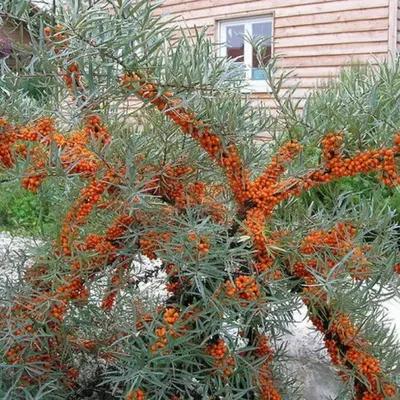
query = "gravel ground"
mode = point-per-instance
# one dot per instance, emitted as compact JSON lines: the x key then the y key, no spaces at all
{"x":15,"y":252}
{"x":310,"y":362}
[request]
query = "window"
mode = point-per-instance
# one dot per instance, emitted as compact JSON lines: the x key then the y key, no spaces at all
{"x":233,"y":36}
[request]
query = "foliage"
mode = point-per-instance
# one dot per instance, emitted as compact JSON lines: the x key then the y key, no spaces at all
{"x":237,"y":242}
{"x":25,"y":213}
{"x":363,"y":103}
{"x":19,"y":209}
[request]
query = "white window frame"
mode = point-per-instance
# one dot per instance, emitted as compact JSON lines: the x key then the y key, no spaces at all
{"x":259,"y":86}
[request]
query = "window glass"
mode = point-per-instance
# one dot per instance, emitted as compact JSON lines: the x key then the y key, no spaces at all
{"x":261,"y":30}
{"x":235,"y":42}
{"x":247,"y":64}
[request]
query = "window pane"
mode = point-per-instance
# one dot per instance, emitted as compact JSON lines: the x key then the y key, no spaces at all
{"x":261,"y":30}
{"x":235,"y":42}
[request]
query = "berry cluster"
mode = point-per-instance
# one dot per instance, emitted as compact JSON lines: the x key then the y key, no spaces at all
{"x":29,"y":314}
{"x":346,"y":346}
{"x":266,"y":383}
{"x":137,"y":394}
{"x":334,"y":245}
{"x":258,"y":189}
{"x":33,"y":142}
{"x":202,"y":244}
{"x":170,"y":317}
{"x":244,"y":287}
{"x":75,"y":290}
{"x":72,"y":289}
{"x":396,"y":268}
{"x":7,"y":140}
{"x":223,"y":362}
{"x":226,"y":157}
{"x":263,"y":380}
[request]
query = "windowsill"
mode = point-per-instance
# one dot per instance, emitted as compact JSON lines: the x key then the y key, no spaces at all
{"x":257,"y":87}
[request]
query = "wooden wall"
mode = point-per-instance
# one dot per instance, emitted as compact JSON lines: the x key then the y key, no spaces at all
{"x":398,"y":26}
{"x":316,"y":37}
{"x":13,"y":32}
{"x":17,"y":34}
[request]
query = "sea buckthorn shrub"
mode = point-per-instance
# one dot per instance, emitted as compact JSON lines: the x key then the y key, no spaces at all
{"x":183,"y":246}
{"x":374,"y":113}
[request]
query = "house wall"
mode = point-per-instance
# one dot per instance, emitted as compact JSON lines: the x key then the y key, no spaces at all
{"x":316,"y":37}
{"x":14,"y":32}
{"x":398,"y":26}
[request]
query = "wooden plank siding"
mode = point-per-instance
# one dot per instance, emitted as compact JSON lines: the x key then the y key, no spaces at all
{"x":15,"y":33}
{"x":314,"y":37}
{"x":398,"y":26}
{"x":393,"y":26}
